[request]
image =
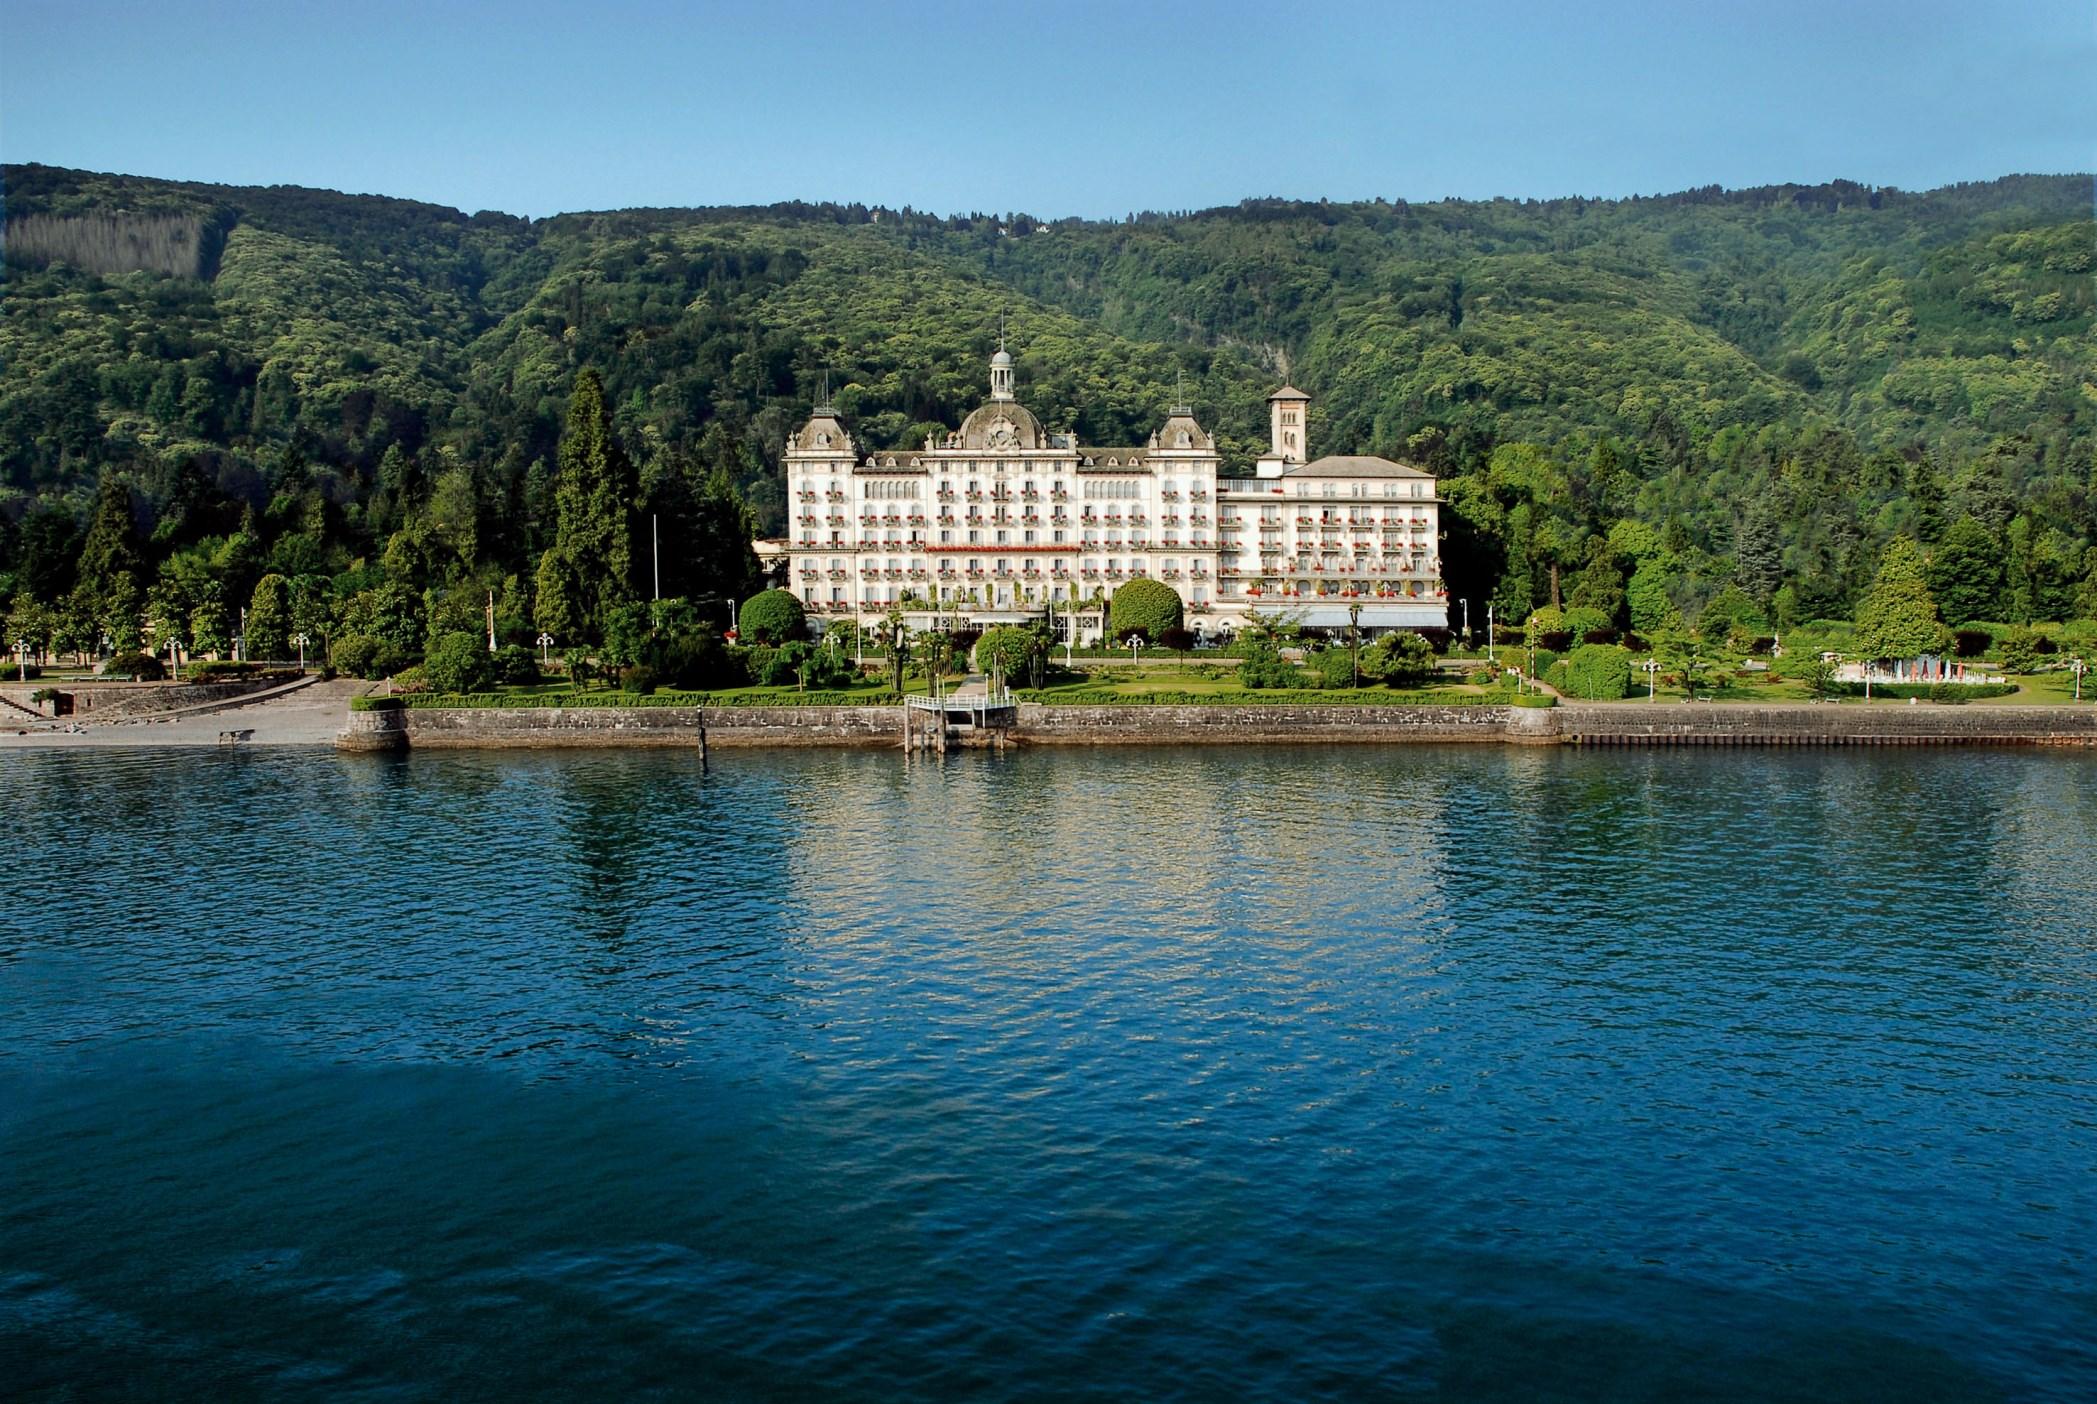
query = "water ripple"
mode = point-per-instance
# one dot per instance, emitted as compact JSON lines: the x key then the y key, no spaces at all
{"x":1468,"y":1073}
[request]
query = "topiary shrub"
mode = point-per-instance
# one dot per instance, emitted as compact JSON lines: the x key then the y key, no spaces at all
{"x":1401,"y":658}
{"x":1145,"y":609}
{"x":516,"y":666}
{"x":1599,"y":672}
{"x":459,"y":662}
{"x":143,"y":666}
{"x":2019,"y":651}
{"x":772,"y":617}
{"x":366,"y":656}
{"x":1264,"y":667}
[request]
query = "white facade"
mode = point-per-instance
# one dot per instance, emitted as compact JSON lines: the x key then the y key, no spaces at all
{"x":1001,"y":519}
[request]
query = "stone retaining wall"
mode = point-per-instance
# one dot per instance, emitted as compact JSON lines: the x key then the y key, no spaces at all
{"x":644,"y":726}
{"x":1182,"y":725}
{"x":1589,"y":724}
{"x":1820,"y":724}
{"x":108,"y":701}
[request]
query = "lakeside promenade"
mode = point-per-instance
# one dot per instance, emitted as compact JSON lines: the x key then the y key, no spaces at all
{"x":320,"y":714}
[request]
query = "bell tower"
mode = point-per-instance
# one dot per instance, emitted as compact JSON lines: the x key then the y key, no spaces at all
{"x":1289,"y":412}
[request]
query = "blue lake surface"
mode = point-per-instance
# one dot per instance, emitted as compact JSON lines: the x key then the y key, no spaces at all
{"x":1412,"y":1072}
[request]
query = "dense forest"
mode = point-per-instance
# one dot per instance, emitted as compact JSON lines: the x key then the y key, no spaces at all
{"x":1648,"y":402}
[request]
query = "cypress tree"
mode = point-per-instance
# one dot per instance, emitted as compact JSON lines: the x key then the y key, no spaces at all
{"x":107,"y":598}
{"x":595,"y":501}
{"x":1758,"y":556}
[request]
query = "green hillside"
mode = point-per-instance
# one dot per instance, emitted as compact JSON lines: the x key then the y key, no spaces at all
{"x":1610,"y":384}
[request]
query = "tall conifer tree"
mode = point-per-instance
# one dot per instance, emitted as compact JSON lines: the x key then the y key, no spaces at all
{"x":595,"y":499}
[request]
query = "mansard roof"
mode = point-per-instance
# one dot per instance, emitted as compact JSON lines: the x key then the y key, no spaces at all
{"x":1350,"y":465}
{"x":824,"y":432}
{"x":1177,"y":424}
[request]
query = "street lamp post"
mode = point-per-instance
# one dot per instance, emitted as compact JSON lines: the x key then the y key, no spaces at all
{"x":1354,"y":639}
{"x":2078,"y":668}
{"x":22,"y":658}
{"x":1652,"y":667}
{"x":1135,"y":645}
{"x":301,"y":640}
{"x":545,"y":643}
{"x":1489,"y":632}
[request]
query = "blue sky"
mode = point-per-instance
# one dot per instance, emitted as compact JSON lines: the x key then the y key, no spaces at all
{"x":1089,"y":109}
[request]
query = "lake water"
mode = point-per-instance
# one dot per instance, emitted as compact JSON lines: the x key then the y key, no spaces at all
{"x":1436,"y":1073}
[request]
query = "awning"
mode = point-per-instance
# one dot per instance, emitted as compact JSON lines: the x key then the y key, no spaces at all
{"x":1376,"y":614}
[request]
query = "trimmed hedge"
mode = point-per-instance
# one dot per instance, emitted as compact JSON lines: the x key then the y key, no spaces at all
{"x":1264,"y":697}
{"x":492,"y":701}
{"x":1933,"y":692}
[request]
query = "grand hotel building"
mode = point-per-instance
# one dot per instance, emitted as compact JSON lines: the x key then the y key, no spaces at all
{"x":1001,"y":518}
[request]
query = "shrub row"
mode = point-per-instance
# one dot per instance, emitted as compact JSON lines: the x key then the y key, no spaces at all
{"x":1263,"y":697}
{"x":1934,"y":692}
{"x":490,"y":701}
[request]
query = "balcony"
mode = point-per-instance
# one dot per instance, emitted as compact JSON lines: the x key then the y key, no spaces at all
{"x":1168,"y":496}
{"x":806,"y":495}
{"x":1031,"y":495}
{"x":1001,"y":494}
{"x":833,"y":496}
{"x":1199,"y":495}
{"x":975,"y":494}
{"x":1060,"y":495}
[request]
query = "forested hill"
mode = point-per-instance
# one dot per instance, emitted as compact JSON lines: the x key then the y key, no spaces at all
{"x":1850,"y":361}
